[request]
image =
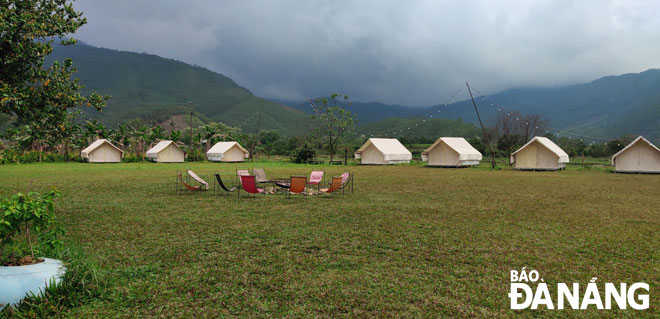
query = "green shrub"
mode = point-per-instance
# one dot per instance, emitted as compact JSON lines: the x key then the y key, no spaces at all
{"x":24,"y":214}
{"x":303,"y":155}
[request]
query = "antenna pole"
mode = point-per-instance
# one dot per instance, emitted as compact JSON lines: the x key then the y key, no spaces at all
{"x":490,"y":147}
{"x":192,"y":110}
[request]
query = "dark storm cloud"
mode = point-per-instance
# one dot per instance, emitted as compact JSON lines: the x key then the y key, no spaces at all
{"x":406,"y":52}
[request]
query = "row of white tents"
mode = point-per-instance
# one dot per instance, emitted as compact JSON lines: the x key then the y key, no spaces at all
{"x":540,"y":153}
{"x":102,"y":151}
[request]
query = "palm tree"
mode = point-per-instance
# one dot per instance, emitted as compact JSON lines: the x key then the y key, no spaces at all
{"x":94,"y":128}
{"x":122,"y":135}
{"x":140,"y":134}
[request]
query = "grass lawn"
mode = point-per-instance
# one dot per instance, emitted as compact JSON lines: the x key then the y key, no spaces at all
{"x":411,"y":242}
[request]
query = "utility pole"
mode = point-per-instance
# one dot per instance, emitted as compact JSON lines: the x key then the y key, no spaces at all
{"x":192,"y":110}
{"x":490,"y":147}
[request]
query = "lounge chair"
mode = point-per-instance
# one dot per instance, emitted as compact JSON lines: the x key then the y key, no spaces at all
{"x":315,"y":178}
{"x":218,"y":185}
{"x":335,"y":185}
{"x":347,"y":181}
{"x":201,"y":181}
{"x":298,"y":185}
{"x":239,"y":173}
{"x":260,"y":174}
{"x":181,"y":184}
{"x":249,"y":184}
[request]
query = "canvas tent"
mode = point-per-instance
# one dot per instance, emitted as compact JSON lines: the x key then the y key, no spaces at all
{"x":539,"y":154}
{"x":451,"y":152}
{"x":102,"y":151}
{"x":166,"y":152}
{"x":640,"y":156}
{"x":227,"y":152}
{"x":383,"y":151}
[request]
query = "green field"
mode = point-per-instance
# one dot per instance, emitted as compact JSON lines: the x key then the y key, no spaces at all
{"x":411,"y":242}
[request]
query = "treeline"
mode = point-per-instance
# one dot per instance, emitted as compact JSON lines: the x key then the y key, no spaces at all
{"x":22,"y":144}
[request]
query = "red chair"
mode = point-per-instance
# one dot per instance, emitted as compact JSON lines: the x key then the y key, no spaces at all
{"x":249,"y":184}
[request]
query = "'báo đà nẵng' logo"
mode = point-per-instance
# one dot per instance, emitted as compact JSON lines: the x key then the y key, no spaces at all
{"x":524,"y":295}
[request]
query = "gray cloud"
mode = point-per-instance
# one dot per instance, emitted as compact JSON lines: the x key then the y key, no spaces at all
{"x":405,"y":52}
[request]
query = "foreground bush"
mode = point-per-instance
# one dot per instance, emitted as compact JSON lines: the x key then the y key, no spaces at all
{"x":83,"y":282}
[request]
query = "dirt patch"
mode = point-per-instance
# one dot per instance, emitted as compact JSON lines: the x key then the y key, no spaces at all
{"x":24,"y":261}
{"x":176,"y":122}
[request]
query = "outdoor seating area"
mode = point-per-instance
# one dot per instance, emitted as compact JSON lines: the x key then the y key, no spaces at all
{"x":256,"y":182}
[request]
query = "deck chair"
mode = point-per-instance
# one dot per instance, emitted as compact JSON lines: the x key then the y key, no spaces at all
{"x":181,"y":184}
{"x":241,"y":172}
{"x":260,"y":174}
{"x":315,"y":178}
{"x":298,"y":186}
{"x":219,"y":185}
{"x":347,"y":182}
{"x":335,"y":185}
{"x":249,"y":184}
{"x":202,"y":182}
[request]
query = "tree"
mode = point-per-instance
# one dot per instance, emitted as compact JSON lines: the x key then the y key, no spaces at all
{"x":32,"y":94}
{"x":267,"y":140}
{"x":334,"y":119}
{"x":94,"y":130}
{"x":514,"y":129}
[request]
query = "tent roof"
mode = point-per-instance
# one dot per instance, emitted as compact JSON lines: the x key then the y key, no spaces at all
{"x":161,"y":146}
{"x":391,"y":149}
{"x":385,"y":146}
{"x":96,"y":145}
{"x":637,"y":140}
{"x":458,"y":144}
{"x":550,"y":145}
{"x":222,"y":147}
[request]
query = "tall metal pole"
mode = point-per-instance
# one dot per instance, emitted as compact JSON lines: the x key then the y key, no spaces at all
{"x":192,"y":110}
{"x":490,"y":147}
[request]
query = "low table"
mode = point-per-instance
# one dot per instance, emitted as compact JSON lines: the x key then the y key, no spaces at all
{"x":283,"y":183}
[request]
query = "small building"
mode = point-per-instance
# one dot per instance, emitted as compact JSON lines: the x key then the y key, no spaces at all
{"x":382,"y":151}
{"x":539,"y":154}
{"x":227,"y":152}
{"x":102,"y":151}
{"x":166,"y":152}
{"x":640,"y":156}
{"x":451,"y":152}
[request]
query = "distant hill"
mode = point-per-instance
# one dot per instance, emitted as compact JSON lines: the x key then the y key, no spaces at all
{"x":412,"y":127}
{"x":153,"y":88}
{"x":608,"y":107}
{"x":365,"y":112}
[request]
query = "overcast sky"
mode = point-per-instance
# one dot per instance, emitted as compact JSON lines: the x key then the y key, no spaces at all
{"x":405,"y":52}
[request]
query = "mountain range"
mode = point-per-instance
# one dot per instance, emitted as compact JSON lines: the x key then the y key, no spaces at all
{"x":607,"y":107}
{"x":154,"y":88}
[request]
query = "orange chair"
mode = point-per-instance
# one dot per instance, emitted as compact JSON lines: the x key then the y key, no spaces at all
{"x":298,"y":185}
{"x":335,"y":184}
{"x":181,"y":183}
